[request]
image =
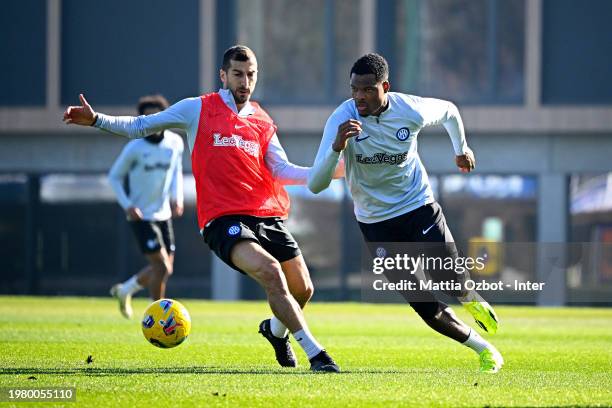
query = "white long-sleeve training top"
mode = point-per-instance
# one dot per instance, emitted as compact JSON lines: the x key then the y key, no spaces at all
{"x":383,"y":169}
{"x":155,"y":176}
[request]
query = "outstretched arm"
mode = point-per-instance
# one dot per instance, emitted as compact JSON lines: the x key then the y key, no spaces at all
{"x":180,"y":115}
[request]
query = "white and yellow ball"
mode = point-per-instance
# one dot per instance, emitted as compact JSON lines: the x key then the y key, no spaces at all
{"x":166,"y":323}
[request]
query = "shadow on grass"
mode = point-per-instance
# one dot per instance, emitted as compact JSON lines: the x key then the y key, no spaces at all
{"x":205,"y":370}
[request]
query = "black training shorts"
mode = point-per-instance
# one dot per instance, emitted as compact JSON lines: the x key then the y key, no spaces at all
{"x":224,"y":232}
{"x":152,"y":236}
{"x":425,"y":234}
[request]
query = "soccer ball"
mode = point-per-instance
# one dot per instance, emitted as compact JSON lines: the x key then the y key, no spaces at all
{"x":166,"y":323}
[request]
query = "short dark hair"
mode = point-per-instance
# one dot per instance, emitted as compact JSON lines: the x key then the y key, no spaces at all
{"x":236,"y":53}
{"x":152,"y":101}
{"x":372,"y":63}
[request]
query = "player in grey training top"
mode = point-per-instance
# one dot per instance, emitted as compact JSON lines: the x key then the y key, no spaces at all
{"x":153,"y":169}
{"x":376,"y":134}
{"x":382,"y":164}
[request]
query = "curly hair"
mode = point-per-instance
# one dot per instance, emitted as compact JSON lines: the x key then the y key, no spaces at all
{"x":152,"y":101}
{"x":372,"y":64}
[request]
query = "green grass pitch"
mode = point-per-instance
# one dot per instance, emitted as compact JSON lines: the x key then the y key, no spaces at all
{"x":554,"y":357}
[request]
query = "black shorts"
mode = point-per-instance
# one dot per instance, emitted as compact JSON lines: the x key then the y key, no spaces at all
{"x":425,"y":224}
{"x":152,"y":236}
{"x":427,"y":235}
{"x":224,"y":232}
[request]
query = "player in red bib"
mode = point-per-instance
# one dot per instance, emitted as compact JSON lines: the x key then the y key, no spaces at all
{"x":240,"y":169}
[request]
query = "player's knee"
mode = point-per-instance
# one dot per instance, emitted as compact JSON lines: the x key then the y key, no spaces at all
{"x":160,"y":265}
{"x":428,"y":310}
{"x":169,"y":269}
{"x":308,"y":292}
{"x":304,"y":294}
{"x":162,"y":271}
{"x":269,"y":274}
{"x":169,"y":264}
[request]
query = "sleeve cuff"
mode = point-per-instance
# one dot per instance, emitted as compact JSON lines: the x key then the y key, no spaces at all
{"x":463,"y":151}
{"x":98,"y":120}
{"x":334,"y":153}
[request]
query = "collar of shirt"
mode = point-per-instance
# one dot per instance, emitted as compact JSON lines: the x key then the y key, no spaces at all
{"x":373,"y":118}
{"x":228,"y":98}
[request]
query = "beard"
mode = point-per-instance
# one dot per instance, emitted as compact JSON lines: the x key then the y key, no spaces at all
{"x":155,"y":138}
{"x":240,"y":98}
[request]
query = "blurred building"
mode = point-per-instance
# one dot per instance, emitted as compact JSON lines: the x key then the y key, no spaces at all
{"x":531,"y":78}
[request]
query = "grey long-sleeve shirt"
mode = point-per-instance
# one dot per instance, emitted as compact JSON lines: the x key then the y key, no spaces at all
{"x":155,"y":175}
{"x":383,"y":169}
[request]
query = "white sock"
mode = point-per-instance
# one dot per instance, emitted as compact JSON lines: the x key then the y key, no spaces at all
{"x":476,"y":342}
{"x":277,"y":328}
{"x":308,"y":343}
{"x":130,"y":286}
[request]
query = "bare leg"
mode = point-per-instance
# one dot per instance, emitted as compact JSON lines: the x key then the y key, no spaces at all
{"x":448,"y":324}
{"x":144,"y":276}
{"x":261,"y":266}
{"x":298,"y":280}
{"x":161,"y":269}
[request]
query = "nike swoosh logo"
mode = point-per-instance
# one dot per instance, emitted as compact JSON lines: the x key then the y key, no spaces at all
{"x":425,"y":231}
{"x":240,"y":127}
{"x":358,"y":139}
{"x":300,"y":339}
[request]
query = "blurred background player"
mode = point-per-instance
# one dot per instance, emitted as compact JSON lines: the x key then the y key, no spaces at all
{"x":376,"y":133}
{"x":239,"y":168}
{"x":152,"y":169}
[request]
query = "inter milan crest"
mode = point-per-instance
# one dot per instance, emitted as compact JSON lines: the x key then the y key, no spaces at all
{"x":403,"y":134}
{"x":233,"y":230}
